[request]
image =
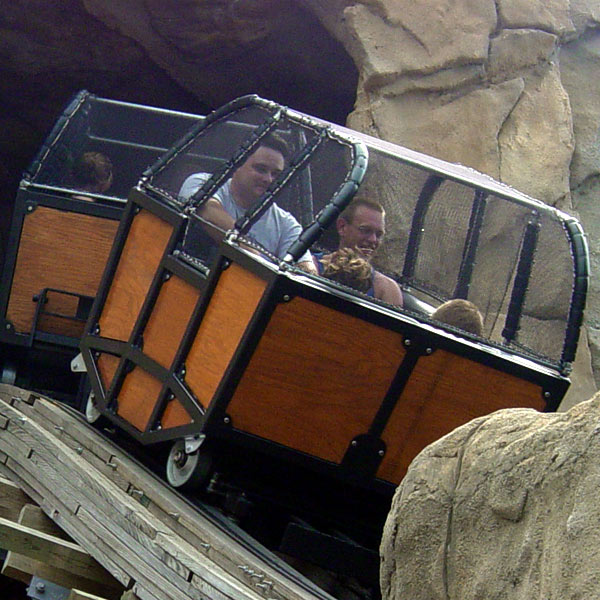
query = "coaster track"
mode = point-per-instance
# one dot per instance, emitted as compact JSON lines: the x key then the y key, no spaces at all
{"x":148,"y":537}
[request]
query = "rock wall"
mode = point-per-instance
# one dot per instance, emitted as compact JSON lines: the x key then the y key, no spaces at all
{"x":503,"y":508}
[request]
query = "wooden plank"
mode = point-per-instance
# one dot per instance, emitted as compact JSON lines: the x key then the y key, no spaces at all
{"x":62,"y":516}
{"x":74,"y":265}
{"x":134,"y":527}
{"x":168,"y":321}
{"x":77,"y":436}
{"x":327,"y":386}
{"x":39,"y":545}
{"x":12,"y":499}
{"x":81,"y":595}
{"x":92,"y":579}
{"x":231,"y":307}
{"x":144,"y":247}
{"x":445,"y":391}
{"x":83,"y":502}
{"x":137,"y":398}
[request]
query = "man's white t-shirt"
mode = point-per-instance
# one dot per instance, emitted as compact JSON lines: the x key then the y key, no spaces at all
{"x":276,"y":229}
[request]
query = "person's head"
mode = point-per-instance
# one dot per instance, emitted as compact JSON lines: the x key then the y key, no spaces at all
{"x":347,"y":267}
{"x":254,"y":176}
{"x":460,"y":313}
{"x":362,"y":226}
{"x":93,"y":172}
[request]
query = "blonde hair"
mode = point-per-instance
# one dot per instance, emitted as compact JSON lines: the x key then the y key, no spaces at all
{"x":347,"y":267}
{"x":460,"y":313}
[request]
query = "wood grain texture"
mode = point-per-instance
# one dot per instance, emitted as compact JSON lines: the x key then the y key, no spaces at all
{"x":63,"y":250}
{"x":107,"y":366}
{"x":12,"y":499}
{"x":138,"y":397}
{"x":175,"y":415}
{"x":231,"y":307}
{"x":169,"y":319}
{"x":145,"y":245}
{"x":145,"y":535}
{"x":316,"y":379}
{"x":445,"y":391}
{"x":90,"y":577}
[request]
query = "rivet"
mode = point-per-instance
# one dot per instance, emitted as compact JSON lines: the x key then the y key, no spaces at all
{"x":547,"y":394}
{"x":226,"y":420}
{"x":354,"y":443}
{"x":428,"y":350}
{"x":381,"y":452}
{"x":407,"y":342}
{"x":286,"y":298}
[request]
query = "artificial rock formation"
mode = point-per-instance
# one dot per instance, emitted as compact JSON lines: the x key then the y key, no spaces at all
{"x":503,"y":508}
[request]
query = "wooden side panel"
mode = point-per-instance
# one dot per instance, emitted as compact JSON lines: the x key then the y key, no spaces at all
{"x":63,"y":250}
{"x":231,"y":307}
{"x":169,"y":319}
{"x":444,"y":392}
{"x":138,"y":397}
{"x":175,"y":415}
{"x":145,"y":245}
{"x":107,"y":366}
{"x":316,"y":379}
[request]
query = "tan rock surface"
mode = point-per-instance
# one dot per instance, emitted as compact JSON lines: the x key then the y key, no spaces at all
{"x":502,"y":508}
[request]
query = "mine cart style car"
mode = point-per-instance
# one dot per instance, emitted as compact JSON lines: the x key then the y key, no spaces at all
{"x":301,"y":393}
{"x":60,"y":236}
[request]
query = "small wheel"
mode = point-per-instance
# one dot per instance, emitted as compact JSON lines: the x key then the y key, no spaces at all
{"x":187,"y":471}
{"x":9,"y":373}
{"x":92,"y":413}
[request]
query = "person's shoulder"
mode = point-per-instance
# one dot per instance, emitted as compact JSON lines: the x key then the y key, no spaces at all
{"x":196,"y":178}
{"x":386,"y":288}
{"x":192,"y":183}
{"x":283,"y":216}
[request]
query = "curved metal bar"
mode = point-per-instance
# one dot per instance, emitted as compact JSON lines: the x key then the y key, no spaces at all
{"x":73,"y":107}
{"x":340,"y":200}
{"x":581,"y":278}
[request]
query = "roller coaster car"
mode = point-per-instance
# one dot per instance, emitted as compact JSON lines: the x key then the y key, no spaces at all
{"x":303,"y":393}
{"x":60,"y":237}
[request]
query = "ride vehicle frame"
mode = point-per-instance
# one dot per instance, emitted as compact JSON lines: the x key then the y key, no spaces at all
{"x":308,"y":394}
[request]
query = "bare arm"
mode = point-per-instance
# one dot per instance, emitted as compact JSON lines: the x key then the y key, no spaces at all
{"x":213,"y":212}
{"x":387,"y":289}
{"x":308,"y":266}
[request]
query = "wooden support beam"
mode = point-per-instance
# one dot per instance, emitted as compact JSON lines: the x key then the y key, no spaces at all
{"x":79,"y":595}
{"x":84,"y":574}
{"x":12,"y":499}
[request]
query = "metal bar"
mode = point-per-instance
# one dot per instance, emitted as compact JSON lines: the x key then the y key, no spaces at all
{"x":471,"y":243}
{"x":521,"y":282}
{"x":581,"y":267}
{"x":414,"y":239}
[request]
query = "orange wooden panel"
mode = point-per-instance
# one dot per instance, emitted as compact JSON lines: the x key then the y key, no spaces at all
{"x":107,"y":366}
{"x":169,"y":319}
{"x":231,"y":307}
{"x":316,"y":379}
{"x":175,"y":415}
{"x":143,"y":249}
{"x":63,"y":250}
{"x":138,"y":397}
{"x":444,"y":392}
